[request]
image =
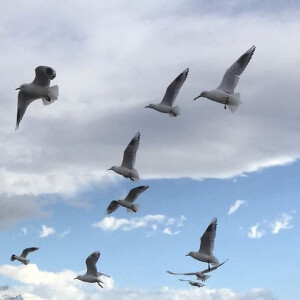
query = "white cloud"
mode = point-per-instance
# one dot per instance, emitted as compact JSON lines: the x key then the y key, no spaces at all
{"x":52,"y":286}
{"x":152,"y":221}
{"x":24,"y":230}
{"x":35,"y":162}
{"x":237,"y":204}
{"x":282,"y":223}
{"x":112,"y":223}
{"x":255,"y":233}
{"x":168,"y":231}
{"x":61,"y":285}
{"x":63,"y":234}
{"x":46,"y":231}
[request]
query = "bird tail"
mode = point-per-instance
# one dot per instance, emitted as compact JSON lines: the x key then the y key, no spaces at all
{"x":52,"y":94}
{"x":175,"y":111}
{"x":13,"y":257}
{"x":26,"y":262}
{"x":205,"y":277}
{"x":214,"y":261}
{"x":135,"y":208}
{"x":134,"y":175}
{"x":234,"y":102}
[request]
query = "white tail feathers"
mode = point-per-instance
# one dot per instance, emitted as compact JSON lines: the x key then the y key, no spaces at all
{"x":205,"y":277}
{"x":52,"y":94}
{"x":175,"y":111}
{"x":234,"y":101}
{"x":135,"y":208}
{"x":214,"y":261}
{"x":26,"y":262}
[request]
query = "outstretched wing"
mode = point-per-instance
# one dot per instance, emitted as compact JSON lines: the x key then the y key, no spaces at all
{"x":213,"y":268}
{"x":135,"y":192}
{"x":232,"y":74}
{"x":172,"y":273}
{"x":91,"y":261}
{"x":43,"y":75}
{"x":28,"y":250}
{"x":112,"y":207}
{"x":130,"y":152}
{"x":207,"y":241}
{"x":23,"y":101}
{"x":173,"y":89}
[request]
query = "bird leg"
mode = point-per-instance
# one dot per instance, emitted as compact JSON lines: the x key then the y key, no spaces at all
{"x":208,"y":266}
{"x":48,"y":98}
{"x":226,"y":102}
{"x":100,"y":284}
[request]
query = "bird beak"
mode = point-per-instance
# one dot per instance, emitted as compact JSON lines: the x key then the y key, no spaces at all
{"x":17,"y":88}
{"x":147,"y":106}
{"x":109,"y":169}
{"x":187,"y":254}
{"x":197,"y":97}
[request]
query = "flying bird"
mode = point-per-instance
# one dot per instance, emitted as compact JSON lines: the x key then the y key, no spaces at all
{"x":127,"y":167}
{"x":22,"y":257}
{"x":200,"y":275}
{"x":128,"y":201}
{"x":207,"y":243}
{"x":224,"y":93}
{"x":38,"y":88}
{"x":193,"y":283}
{"x":92,"y":275}
{"x":166,"y":105}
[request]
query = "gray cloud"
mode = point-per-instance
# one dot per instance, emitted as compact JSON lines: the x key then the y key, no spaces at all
{"x":18,"y":208}
{"x":105,"y":83}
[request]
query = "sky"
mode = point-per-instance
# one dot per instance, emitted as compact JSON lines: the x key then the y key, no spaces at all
{"x":112,"y":59}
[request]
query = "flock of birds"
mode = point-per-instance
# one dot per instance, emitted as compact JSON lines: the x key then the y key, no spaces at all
{"x":40,"y":89}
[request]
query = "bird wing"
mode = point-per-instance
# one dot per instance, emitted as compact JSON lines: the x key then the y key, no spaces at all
{"x":28,"y":250}
{"x":232,"y":74}
{"x":112,"y":207}
{"x":43,"y":75}
{"x":173,"y":89}
{"x":213,"y":268}
{"x":135,"y":192}
{"x":91,"y":261}
{"x":100,"y":274}
{"x":23,"y":101}
{"x":172,"y":273}
{"x":207,"y":240}
{"x":130,"y":152}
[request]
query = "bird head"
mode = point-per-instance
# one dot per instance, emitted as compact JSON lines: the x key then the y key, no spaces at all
{"x":189,"y":254}
{"x":149,"y":106}
{"x":21,"y":87}
{"x":203,"y":94}
{"x":112,"y":168}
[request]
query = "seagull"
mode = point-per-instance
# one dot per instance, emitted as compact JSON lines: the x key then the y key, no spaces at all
{"x":127,"y":167}
{"x":22,"y":257}
{"x":166,"y":105}
{"x":194,"y":283}
{"x":224,"y":93}
{"x":38,"y":88}
{"x":200,"y":275}
{"x":128,"y":201}
{"x":207,"y":243}
{"x":92,"y":275}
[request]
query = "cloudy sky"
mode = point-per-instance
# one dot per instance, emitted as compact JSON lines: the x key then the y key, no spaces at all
{"x":112,"y":59}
